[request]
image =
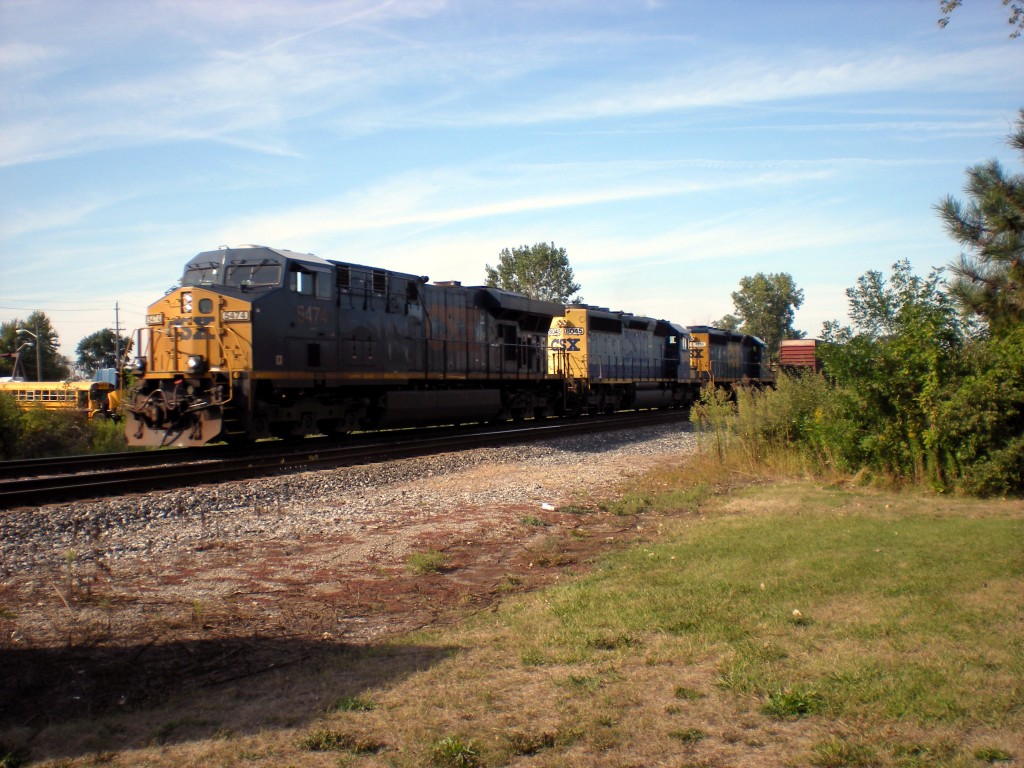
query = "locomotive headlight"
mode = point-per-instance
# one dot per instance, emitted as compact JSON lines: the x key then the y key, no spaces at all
{"x":186,"y":302}
{"x":139,"y":366}
{"x":196,"y":364}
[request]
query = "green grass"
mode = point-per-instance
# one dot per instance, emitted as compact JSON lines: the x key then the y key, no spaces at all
{"x":900,"y":616}
{"x":328,"y":740}
{"x":352,"y":704}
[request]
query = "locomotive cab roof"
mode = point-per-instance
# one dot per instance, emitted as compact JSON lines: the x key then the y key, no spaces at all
{"x":614,"y":321}
{"x":500,"y":301}
{"x":721,"y":333}
{"x":246,"y":266}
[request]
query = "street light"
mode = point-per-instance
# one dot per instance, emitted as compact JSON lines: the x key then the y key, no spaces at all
{"x":39,"y":352}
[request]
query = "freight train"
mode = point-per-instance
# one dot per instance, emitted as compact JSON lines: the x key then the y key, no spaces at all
{"x":264,"y":342}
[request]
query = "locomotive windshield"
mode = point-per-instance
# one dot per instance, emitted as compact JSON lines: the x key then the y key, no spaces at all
{"x":239,"y":273}
{"x":249,"y":274}
{"x":204,"y":273}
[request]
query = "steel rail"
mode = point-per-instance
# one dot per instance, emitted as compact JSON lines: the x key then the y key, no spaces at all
{"x":76,"y":486}
{"x":56,"y":466}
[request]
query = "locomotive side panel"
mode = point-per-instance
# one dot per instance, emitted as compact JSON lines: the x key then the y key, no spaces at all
{"x":380,"y":326}
{"x":295,"y":326}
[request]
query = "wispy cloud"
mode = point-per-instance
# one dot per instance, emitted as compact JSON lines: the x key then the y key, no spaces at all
{"x":386,"y":66}
{"x":447,"y":196}
{"x":755,"y":80}
{"x":18,"y":57}
{"x":63,"y":212}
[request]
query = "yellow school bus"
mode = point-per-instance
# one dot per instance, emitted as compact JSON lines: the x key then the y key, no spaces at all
{"x":94,"y":398}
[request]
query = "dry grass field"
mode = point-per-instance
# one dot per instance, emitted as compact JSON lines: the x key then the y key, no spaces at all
{"x":768,"y":624}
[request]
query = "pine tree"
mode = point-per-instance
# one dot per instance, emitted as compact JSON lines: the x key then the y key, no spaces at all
{"x":989,"y":274}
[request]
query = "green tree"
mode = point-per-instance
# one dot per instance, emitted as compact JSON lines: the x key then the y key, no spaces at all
{"x":727,"y":323}
{"x":766,"y":304}
{"x":1016,"y":19}
{"x":100,"y":350}
{"x":539,"y":271}
{"x":989,"y":276}
{"x":42,"y":339}
{"x":893,"y":370}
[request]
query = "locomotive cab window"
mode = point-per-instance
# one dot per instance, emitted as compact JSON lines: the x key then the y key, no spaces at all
{"x":308,"y":282}
{"x":323,"y":285}
{"x":300,"y":280}
{"x":207,"y":273}
{"x":247,"y":275}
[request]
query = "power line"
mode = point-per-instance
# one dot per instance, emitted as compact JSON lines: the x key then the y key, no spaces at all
{"x":53,"y":311}
{"x":47,"y":310}
{"x":56,"y":301}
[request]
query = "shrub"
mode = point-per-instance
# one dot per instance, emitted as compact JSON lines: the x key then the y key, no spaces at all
{"x":10,"y":426}
{"x":982,"y":422}
{"x":40,"y":433}
{"x":53,"y":433}
{"x":106,"y":436}
{"x":715,"y":416}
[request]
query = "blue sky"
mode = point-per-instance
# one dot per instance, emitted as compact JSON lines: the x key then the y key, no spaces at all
{"x":671,"y":147}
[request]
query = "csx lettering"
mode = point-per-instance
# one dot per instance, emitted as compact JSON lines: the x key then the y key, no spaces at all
{"x":202,"y":331}
{"x":199,"y":332}
{"x":566,"y":345}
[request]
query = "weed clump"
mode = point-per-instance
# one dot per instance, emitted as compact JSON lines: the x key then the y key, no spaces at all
{"x":428,"y":562}
{"x":327,"y":740}
{"x":352,"y":704}
{"x":452,"y":752}
{"x":793,"y":703}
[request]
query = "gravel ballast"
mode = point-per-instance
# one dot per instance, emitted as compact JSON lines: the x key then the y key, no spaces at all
{"x":335,"y":501}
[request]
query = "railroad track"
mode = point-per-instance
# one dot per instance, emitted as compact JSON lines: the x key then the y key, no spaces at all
{"x":36,"y":482}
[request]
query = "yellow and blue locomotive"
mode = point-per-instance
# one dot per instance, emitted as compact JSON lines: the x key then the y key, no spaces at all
{"x":260,"y":342}
{"x":610,"y":361}
{"x":727,"y":358}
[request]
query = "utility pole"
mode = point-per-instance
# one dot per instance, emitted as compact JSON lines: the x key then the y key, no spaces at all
{"x":117,"y":346}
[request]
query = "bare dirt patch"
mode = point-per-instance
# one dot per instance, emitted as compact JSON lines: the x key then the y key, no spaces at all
{"x":89,"y":632}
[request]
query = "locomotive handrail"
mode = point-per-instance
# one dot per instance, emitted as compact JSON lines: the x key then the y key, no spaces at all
{"x":227,"y":362}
